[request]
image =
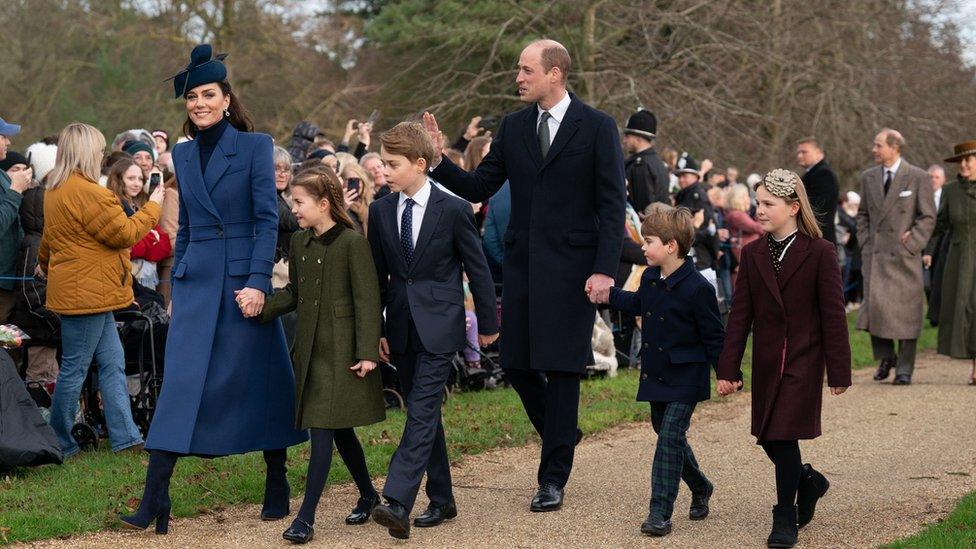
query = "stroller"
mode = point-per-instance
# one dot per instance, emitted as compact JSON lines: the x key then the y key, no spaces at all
{"x":143,"y":368}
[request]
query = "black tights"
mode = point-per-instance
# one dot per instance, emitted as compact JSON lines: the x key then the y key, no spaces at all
{"x":785,"y":455}
{"x":321,"y":461}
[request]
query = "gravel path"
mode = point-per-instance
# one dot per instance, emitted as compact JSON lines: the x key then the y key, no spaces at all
{"x":897,"y":458}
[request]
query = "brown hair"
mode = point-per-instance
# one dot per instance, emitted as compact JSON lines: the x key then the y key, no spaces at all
{"x":321,"y":182}
{"x":806,"y":221}
{"x":555,"y":54}
{"x":893,"y":138}
{"x":669,"y":223}
{"x":811,"y":140}
{"x":116,"y":183}
{"x":456,"y":156}
{"x":239,"y":117}
{"x":472,"y":155}
{"x":408,"y":139}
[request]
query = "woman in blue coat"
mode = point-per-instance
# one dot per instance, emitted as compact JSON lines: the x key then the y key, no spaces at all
{"x":229,"y":386}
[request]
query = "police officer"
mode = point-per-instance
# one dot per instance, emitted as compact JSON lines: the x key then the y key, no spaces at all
{"x":694,"y":197}
{"x":646,"y":173}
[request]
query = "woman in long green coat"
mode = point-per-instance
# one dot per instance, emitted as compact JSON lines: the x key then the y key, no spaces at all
{"x":333,"y":286}
{"x":957,"y":219}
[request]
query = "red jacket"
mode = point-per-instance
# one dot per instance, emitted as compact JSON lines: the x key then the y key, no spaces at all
{"x":154,"y":247}
{"x":799,"y":329}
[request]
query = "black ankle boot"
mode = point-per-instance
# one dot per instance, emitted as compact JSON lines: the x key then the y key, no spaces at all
{"x":813,"y":486}
{"x":277,"y":493}
{"x":155,"y":504}
{"x":784,"y":527}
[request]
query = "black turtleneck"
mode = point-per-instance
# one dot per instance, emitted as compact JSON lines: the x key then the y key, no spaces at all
{"x":208,"y":139}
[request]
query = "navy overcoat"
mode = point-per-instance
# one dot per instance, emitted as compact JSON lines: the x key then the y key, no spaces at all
{"x":567,"y":223}
{"x":682,"y":333}
{"x":228,"y":386}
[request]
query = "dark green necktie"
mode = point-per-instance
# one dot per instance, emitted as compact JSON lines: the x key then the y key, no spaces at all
{"x":544,"y":133}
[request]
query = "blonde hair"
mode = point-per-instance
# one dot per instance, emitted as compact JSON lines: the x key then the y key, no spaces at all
{"x":366,"y":187}
{"x":738,"y":198}
{"x":80,"y":149}
{"x":669,"y":223}
{"x":806,"y":222}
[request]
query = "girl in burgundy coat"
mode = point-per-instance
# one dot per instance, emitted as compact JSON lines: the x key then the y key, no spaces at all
{"x":788,"y":294}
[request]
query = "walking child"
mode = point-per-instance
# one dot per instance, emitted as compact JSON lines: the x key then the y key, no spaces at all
{"x":682,"y":333}
{"x":788,"y":295}
{"x":332,"y":284}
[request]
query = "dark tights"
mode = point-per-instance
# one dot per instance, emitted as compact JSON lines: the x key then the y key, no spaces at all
{"x":785,"y":455}
{"x":321,"y":461}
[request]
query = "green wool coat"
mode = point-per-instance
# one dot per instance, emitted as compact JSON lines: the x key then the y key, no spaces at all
{"x":332,"y":284}
{"x":957,"y":317}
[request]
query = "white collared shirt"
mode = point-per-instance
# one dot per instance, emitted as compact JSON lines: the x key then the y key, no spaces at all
{"x":420,"y":200}
{"x":938,"y":197}
{"x":556,"y":115}
{"x":893,"y":170}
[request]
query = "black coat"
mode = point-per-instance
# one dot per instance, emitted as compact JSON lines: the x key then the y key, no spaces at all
{"x":287,"y":226}
{"x":430,"y":291}
{"x":823,"y":191}
{"x":42,"y":325}
{"x":705,"y":247}
{"x":567,"y":224}
{"x":648,"y":180}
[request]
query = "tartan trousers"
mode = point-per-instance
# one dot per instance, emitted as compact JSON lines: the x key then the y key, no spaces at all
{"x":674,"y":460}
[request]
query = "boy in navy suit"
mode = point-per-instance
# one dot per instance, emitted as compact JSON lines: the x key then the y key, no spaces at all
{"x":422,"y":238}
{"x":683,"y":334}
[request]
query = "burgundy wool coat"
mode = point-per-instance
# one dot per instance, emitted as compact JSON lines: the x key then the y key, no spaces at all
{"x":799,"y":329}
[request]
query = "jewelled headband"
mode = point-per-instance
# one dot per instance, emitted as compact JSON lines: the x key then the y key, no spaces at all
{"x":781,"y":183}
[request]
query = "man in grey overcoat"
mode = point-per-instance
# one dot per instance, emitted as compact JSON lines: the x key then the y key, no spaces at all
{"x":894,"y":222}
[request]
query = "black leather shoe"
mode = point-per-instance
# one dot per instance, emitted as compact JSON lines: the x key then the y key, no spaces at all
{"x":813,"y":486}
{"x":902,"y":379}
{"x":884,"y":369}
{"x":364,"y":508}
{"x":299,"y":532}
{"x":436,"y":514}
{"x":699,"y":505}
{"x":548,"y":498}
{"x":394,"y":517}
{"x":656,"y":526}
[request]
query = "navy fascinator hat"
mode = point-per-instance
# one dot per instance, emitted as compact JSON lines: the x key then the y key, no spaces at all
{"x":204,"y":68}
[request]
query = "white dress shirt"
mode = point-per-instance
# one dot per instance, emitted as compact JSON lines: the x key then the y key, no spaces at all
{"x":938,"y":197}
{"x":556,"y":115}
{"x":420,"y":199}
{"x":893,"y":170}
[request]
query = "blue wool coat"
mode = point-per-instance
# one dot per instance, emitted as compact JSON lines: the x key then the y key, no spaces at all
{"x":682,"y":333}
{"x":228,"y":386}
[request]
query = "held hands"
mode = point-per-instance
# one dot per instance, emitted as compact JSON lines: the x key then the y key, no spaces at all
{"x":430,"y":124}
{"x":598,"y":288}
{"x":838,"y":390}
{"x":486,"y":340}
{"x":250,"y":301}
{"x":384,"y":350}
{"x":726,"y":387}
{"x":363,"y":367}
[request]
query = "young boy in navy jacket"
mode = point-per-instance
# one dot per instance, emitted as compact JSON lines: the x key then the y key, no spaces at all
{"x":683,"y":334}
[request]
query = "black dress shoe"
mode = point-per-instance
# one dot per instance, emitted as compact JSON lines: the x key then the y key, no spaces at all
{"x":436,"y":514}
{"x":548,"y":498}
{"x":654,"y":526}
{"x":394,"y":517}
{"x":364,"y":508}
{"x":902,"y":379}
{"x":813,"y":486}
{"x":884,"y":369}
{"x":699,"y":505}
{"x":299,"y":532}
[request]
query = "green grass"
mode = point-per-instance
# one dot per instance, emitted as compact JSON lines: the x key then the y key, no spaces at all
{"x":88,"y":492}
{"x":958,"y":530}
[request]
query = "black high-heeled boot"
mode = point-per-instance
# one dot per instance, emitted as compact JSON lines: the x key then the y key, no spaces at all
{"x":155,"y":504}
{"x":277,"y":493}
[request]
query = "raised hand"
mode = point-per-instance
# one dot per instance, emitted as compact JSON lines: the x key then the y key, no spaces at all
{"x":430,"y":124}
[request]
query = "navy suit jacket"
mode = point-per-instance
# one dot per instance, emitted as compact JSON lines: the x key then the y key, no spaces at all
{"x":567,"y":223}
{"x":430,"y":291}
{"x":682,"y":333}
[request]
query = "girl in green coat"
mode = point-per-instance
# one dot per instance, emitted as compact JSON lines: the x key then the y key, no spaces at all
{"x":333,"y":286}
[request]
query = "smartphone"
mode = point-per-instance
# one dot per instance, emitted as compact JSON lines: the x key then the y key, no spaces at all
{"x":154,"y":180}
{"x":353,"y":183}
{"x":373,"y":117}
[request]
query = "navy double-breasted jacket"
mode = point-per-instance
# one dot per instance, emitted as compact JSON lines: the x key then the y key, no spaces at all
{"x":229,"y":386}
{"x":681,"y":331}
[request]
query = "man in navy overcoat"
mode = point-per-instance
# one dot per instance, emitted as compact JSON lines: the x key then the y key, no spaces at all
{"x":566,"y":168}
